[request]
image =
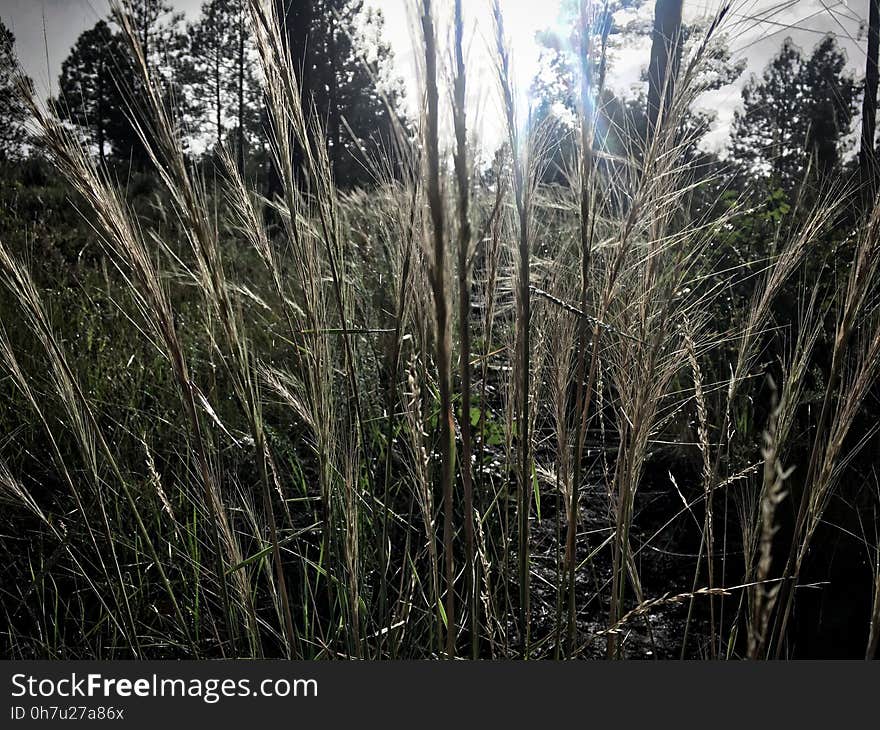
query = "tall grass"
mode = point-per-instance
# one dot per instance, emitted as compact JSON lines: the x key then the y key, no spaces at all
{"x":465,"y":257}
{"x":277,"y":484}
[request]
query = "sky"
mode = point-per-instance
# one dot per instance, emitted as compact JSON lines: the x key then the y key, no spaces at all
{"x":755,"y":30}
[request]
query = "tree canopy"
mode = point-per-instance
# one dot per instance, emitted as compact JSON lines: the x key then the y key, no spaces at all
{"x":345,"y":79}
{"x":12,"y":112}
{"x":796,"y":116}
{"x":221,"y":75}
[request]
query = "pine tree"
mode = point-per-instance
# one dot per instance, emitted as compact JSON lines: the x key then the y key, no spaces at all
{"x":221,"y":73}
{"x":867,"y":151}
{"x":165,"y":46}
{"x":157,"y":26}
{"x":766,"y":139}
{"x":12,"y":111}
{"x":344,"y":78}
{"x":666,"y":48}
{"x":554,"y":96}
{"x":100,"y":85}
{"x":795,"y":117}
{"x":830,"y":105}
{"x":622,"y":124}
{"x":88,"y":93}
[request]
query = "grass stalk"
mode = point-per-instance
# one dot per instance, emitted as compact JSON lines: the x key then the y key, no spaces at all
{"x":443,"y":342}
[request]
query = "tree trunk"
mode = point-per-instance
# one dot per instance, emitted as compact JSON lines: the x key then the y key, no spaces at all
{"x":665,"y":57}
{"x":334,"y":113}
{"x":296,"y":18}
{"x":218,"y":101}
{"x":240,"y":133}
{"x":867,"y":153}
{"x":102,"y":70}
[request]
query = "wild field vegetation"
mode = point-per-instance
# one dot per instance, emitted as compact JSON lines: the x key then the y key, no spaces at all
{"x":604,"y":395}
